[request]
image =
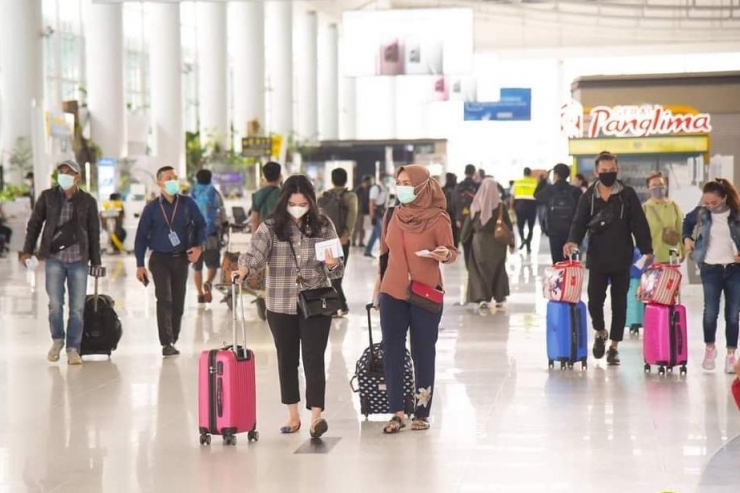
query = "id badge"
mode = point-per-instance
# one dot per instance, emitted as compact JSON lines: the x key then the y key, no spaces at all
{"x":174,"y":239}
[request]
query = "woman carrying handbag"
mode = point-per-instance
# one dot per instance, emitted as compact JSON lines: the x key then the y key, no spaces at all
{"x":300,"y":299}
{"x":490,"y":227}
{"x":408,"y":291}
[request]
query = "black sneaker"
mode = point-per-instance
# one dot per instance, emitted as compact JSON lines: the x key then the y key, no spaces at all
{"x":170,"y":351}
{"x":599,"y":346}
{"x":612,"y":357}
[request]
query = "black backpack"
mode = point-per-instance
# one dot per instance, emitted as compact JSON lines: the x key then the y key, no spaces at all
{"x":333,"y":206}
{"x":561,"y":209}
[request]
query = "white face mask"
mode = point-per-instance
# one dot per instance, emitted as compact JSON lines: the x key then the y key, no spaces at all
{"x":297,"y":211}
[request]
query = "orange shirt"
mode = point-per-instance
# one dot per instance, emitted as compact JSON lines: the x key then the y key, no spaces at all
{"x":425,"y":270}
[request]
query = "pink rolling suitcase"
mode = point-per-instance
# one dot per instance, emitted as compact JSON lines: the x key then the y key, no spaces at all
{"x":665,"y":343}
{"x":227,"y":397}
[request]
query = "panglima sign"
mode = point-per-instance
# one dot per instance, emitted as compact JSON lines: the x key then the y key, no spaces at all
{"x":630,"y":121}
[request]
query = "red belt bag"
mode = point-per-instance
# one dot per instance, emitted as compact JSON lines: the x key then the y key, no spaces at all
{"x":426,"y":297}
{"x":422,"y":295}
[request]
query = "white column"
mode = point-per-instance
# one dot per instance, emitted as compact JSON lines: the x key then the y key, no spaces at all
{"x":105,"y":76}
{"x":279,"y":39}
{"x":165,"y":70}
{"x":248,"y":45}
{"x":348,"y":110}
{"x":308,"y":58}
{"x":329,"y":84}
{"x":21,"y":69}
{"x":213,"y":69}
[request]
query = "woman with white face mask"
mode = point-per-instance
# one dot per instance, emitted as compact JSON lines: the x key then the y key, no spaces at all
{"x":664,"y":217}
{"x":711,"y":233}
{"x":286,"y":243}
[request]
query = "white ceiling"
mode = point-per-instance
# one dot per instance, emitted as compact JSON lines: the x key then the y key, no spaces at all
{"x":546,"y":24}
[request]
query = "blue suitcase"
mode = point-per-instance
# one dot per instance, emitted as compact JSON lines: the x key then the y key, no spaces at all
{"x":567,"y":334}
{"x":635,"y":308}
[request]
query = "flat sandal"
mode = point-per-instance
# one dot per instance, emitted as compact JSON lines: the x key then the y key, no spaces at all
{"x":420,"y":424}
{"x":394,"y":425}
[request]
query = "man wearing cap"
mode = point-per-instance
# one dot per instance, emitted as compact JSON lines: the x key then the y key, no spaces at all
{"x":69,"y":243}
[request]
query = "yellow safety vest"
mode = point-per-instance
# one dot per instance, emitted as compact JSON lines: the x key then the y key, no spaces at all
{"x":524,"y":188}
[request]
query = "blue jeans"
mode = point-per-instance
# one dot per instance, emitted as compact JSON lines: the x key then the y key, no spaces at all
{"x":75,"y":276}
{"x":716,"y":279}
{"x":396,"y":317}
{"x":374,"y":236}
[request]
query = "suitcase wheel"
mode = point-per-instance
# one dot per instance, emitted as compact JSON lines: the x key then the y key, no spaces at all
{"x":647,"y":368}
{"x":205,"y":439}
{"x":229,"y":439}
{"x":562,"y":366}
{"x":550,"y":364}
{"x":683,"y":371}
{"x":584,"y":365}
{"x":661,"y":371}
{"x":253,"y":436}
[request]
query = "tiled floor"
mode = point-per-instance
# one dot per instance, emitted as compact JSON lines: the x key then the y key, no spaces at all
{"x":502,"y":421}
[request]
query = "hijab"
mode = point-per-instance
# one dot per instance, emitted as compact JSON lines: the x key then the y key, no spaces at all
{"x":429,"y":206}
{"x":486,"y":200}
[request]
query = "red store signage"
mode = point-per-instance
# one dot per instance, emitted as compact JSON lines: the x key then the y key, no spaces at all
{"x":631,"y":121}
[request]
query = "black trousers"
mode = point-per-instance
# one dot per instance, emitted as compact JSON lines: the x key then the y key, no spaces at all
{"x":337,"y":283}
{"x":6,"y":234}
{"x":526,"y":213}
{"x":170,"y":276}
{"x":556,"y":248}
{"x":467,"y":250}
{"x":294,"y":334}
{"x":598,"y":282}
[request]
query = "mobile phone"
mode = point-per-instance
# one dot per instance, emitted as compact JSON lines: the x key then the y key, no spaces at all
{"x":146,"y":281}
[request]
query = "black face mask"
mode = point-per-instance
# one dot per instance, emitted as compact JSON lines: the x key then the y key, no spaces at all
{"x":608,"y":179}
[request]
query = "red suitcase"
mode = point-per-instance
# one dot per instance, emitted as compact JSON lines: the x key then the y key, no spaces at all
{"x":227,"y":396}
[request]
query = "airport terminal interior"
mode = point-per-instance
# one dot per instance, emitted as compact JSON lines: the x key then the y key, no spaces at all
{"x":119,"y":89}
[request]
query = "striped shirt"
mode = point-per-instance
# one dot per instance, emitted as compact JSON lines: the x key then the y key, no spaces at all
{"x":282,"y":289}
{"x":72,"y":254}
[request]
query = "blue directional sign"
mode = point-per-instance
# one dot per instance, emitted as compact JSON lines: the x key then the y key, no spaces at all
{"x":515,"y":104}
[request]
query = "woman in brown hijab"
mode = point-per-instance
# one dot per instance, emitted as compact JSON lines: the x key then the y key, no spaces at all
{"x":417,"y":236}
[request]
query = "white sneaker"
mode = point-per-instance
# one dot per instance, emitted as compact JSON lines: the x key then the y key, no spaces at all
{"x":73,"y":357}
{"x":56,"y":349}
{"x":710,"y":355}
{"x":730,"y":363}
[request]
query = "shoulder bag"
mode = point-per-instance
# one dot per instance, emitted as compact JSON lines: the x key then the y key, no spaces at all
{"x":318,"y":302}
{"x":503,"y":234}
{"x":669,"y":236}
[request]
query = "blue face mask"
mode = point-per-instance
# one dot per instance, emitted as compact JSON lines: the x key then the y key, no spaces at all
{"x":405,"y":194}
{"x":172,"y":187}
{"x":66,"y":181}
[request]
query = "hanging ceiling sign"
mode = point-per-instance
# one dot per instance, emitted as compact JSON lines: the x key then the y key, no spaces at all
{"x":630,"y":121}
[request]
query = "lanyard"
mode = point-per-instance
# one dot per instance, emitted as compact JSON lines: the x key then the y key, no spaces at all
{"x":168,"y":220}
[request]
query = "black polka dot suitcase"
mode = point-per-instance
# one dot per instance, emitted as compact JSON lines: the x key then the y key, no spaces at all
{"x":369,"y":380}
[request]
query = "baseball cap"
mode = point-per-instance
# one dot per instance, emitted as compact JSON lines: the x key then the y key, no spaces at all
{"x":72,"y":165}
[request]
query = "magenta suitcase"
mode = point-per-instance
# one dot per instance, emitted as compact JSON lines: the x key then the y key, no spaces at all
{"x":665,"y":342}
{"x":227,"y":396}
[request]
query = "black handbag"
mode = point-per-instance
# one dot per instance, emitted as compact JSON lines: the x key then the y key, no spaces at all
{"x":65,"y":235}
{"x":317,"y":302}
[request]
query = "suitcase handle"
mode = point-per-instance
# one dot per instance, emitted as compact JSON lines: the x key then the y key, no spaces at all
{"x":237,"y":307}
{"x":96,"y":272}
{"x":368,"y":309}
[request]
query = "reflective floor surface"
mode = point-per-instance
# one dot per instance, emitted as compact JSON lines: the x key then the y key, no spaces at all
{"x":501,"y":421}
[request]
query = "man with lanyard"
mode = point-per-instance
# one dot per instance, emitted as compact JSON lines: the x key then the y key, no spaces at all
{"x":525,"y":207}
{"x":378,"y":200}
{"x":463,"y":197}
{"x":173,"y":228}
{"x":264,"y":199}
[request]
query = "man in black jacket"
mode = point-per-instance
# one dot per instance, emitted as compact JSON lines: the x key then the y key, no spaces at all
{"x":559,"y":201}
{"x":70,"y":240}
{"x":611,"y":213}
{"x":463,"y":197}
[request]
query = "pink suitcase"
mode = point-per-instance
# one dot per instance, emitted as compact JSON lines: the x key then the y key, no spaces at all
{"x":665,"y":342}
{"x":227,"y":396}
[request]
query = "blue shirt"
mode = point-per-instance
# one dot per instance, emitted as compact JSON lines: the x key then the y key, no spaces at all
{"x":153,"y":232}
